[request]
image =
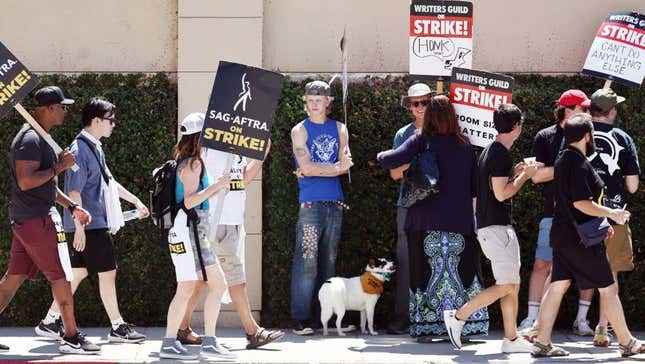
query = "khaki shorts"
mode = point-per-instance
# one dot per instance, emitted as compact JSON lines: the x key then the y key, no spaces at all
{"x":500,"y":245}
{"x":229,"y":248}
{"x":619,"y":249}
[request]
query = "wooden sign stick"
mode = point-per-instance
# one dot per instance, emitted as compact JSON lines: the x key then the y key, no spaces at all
{"x":607,"y":84}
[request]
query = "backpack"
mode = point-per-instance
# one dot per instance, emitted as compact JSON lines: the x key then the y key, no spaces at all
{"x":163,"y":203}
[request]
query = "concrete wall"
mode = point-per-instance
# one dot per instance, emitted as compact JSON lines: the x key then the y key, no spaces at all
{"x":510,"y":36}
{"x":92,"y":36}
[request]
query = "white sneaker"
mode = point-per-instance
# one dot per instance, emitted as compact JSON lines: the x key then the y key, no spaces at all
{"x":519,"y":345}
{"x":582,"y":328}
{"x":527,"y":323}
{"x":454,"y":327}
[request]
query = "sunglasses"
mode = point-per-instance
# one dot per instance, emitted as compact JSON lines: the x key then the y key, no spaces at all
{"x":423,"y":103}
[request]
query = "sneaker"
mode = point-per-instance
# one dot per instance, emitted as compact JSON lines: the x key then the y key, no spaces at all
{"x":4,"y":347}
{"x":78,"y":344}
{"x":125,"y":333}
{"x":303,"y":329}
{"x":530,"y":333}
{"x":188,"y":337}
{"x":527,"y":323}
{"x":519,"y":345}
{"x":52,"y":330}
{"x":213,"y":350}
{"x":454,"y":327}
{"x":601,"y":337}
{"x":172,"y":349}
{"x":582,"y":328}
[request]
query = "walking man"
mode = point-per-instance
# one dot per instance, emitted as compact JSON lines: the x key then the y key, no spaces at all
{"x":35,"y":168}
{"x":321,"y":149}
{"x":495,"y":233}
{"x":92,"y":249}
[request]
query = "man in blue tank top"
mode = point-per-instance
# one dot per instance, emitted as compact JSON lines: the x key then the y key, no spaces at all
{"x":321,"y":150}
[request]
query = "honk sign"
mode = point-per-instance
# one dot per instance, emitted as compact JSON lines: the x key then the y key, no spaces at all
{"x":241,"y":108}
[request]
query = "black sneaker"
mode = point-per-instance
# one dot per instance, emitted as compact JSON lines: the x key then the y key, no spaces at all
{"x":52,"y":331}
{"x":303,"y":328}
{"x":4,"y":347}
{"x":78,"y":344}
{"x":125,"y":333}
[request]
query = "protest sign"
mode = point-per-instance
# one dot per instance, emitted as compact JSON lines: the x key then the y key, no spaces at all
{"x":618,"y":51}
{"x":475,"y":95}
{"x":240,"y":111}
{"x":441,"y":36}
{"x":16,"y":82}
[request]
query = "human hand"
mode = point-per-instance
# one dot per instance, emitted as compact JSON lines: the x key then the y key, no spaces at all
{"x":65,"y":161}
{"x":79,"y":240}
{"x":620,"y":216}
{"x":82,"y":216}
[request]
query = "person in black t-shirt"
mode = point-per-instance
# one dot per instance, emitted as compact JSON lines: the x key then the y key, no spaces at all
{"x":616,"y":162}
{"x":495,"y":233}
{"x":547,"y":144}
{"x":578,"y":196}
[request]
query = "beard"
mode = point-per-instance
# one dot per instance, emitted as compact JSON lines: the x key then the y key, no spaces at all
{"x":591,"y":148}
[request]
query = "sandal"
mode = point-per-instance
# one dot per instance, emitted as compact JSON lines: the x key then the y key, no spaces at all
{"x":188,"y":337}
{"x":262,"y":337}
{"x":547,"y":351}
{"x":601,"y":338}
{"x":634,"y":347}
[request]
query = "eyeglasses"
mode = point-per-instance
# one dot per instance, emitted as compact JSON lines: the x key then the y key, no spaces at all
{"x":63,"y":107}
{"x":423,"y":103}
{"x":112,"y":120}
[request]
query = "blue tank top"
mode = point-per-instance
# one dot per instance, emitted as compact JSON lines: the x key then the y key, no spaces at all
{"x":323,"y":144}
{"x":179,"y":190}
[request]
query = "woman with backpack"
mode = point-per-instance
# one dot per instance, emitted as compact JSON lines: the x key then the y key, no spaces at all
{"x":443,"y":255}
{"x":190,"y":249}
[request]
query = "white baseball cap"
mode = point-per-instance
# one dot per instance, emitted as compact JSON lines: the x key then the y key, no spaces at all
{"x":193,"y":123}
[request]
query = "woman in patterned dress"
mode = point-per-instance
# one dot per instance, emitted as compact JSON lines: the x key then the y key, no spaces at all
{"x":444,"y":255}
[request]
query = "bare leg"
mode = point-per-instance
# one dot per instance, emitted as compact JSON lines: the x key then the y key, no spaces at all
{"x":107,"y":289}
{"x":484,"y":299}
{"x":9,"y":284}
{"x":192,"y":304}
{"x":539,"y":278}
{"x":549,"y":309}
{"x":602,"y":321}
{"x":509,"y":305}
{"x":614,"y":311}
{"x":79,"y":275}
{"x":216,"y":287}
{"x":62,"y":291}
{"x":240,"y":300}
{"x":178,"y":306}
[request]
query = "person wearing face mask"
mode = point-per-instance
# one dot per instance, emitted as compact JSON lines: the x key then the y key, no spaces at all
{"x":616,"y":162}
{"x":578,"y":200}
{"x":547,"y":145}
{"x":415,"y":101}
{"x":91,"y":249}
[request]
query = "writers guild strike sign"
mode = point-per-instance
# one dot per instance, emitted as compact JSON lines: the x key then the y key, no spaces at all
{"x":15,"y":81}
{"x":240,"y":111}
{"x":618,"y":51}
{"x":475,"y":95}
{"x":441,"y":36}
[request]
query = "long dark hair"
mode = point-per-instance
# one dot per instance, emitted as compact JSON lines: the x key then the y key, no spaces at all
{"x":188,"y":147}
{"x":440,"y":119}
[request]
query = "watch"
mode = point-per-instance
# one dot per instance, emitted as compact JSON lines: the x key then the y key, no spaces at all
{"x":72,"y":206}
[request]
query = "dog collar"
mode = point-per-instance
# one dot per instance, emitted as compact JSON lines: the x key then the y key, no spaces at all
{"x":370,"y":284}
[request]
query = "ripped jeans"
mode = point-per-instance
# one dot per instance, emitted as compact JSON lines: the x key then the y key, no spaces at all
{"x":314,"y":259}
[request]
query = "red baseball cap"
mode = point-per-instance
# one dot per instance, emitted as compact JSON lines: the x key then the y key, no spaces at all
{"x":573,"y":98}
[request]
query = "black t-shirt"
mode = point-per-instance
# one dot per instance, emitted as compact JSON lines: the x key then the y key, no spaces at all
{"x":547,"y":145}
{"x":615,"y":158}
{"x":495,"y":161}
{"x":37,"y":202}
{"x":575,"y":180}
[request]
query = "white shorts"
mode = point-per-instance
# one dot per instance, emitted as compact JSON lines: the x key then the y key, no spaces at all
{"x":183,"y":247}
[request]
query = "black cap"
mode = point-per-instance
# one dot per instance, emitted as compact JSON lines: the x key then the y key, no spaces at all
{"x":50,"y":95}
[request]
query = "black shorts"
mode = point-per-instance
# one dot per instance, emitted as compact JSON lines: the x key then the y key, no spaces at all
{"x":588,"y":267}
{"x":98,"y":255}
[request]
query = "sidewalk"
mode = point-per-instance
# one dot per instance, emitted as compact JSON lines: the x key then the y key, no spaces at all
{"x":313,"y":349}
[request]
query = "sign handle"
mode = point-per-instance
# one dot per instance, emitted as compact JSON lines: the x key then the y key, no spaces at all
{"x":39,"y":129}
{"x":607,"y":84}
{"x":219,"y":199}
{"x":440,"y":86}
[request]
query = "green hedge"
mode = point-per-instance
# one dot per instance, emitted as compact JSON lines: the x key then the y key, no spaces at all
{"x":147,"y":111}
{"x":143,"y":138}
{"x":369,"y":228}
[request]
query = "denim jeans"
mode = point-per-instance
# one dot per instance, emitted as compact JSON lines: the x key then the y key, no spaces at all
{"x":314,"y":259}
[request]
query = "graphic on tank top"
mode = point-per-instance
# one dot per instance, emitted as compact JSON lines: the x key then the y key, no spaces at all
{"x":323,"y":147}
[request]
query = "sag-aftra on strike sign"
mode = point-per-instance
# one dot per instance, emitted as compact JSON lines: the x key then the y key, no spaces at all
{"x":441,"y":36}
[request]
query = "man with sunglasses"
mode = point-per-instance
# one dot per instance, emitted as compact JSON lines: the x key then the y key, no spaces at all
{"x":547,"y":145}
{"x":92,"y":250}
{"x":34,"y":192}
{"x":415,"y":101}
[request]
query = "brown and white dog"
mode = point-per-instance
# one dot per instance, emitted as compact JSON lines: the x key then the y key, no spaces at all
{"x":338,"y":295}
